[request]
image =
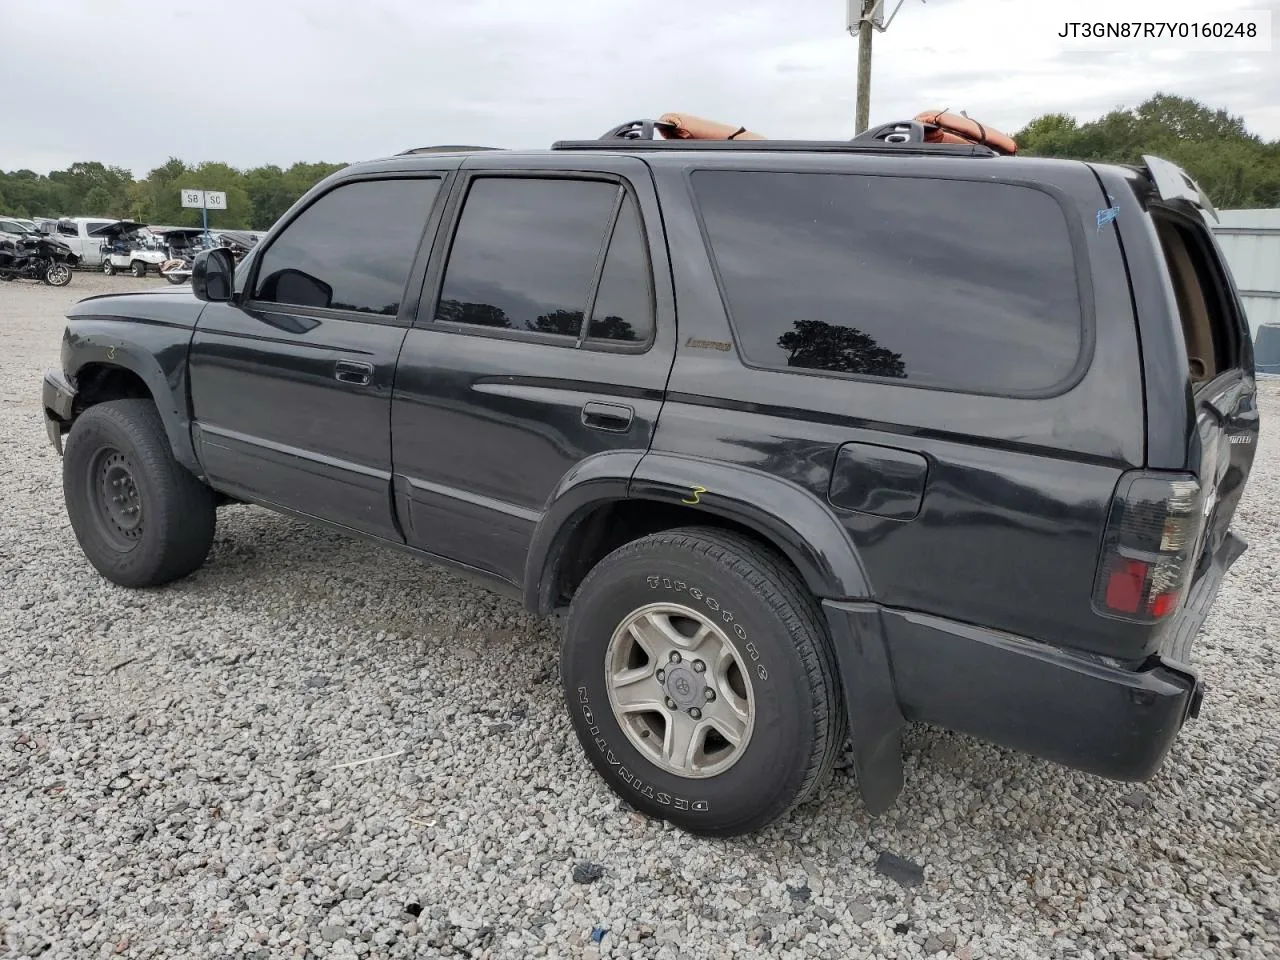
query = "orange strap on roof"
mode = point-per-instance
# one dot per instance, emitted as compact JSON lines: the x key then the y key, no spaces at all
{"x":954,"y":128}
{"x":684,"y":126}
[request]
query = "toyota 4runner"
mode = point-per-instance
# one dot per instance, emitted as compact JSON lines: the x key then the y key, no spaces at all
{"x":803,"y":440}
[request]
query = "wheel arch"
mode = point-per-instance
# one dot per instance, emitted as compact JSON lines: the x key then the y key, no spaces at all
{"x":600,"y":508}
{"x":106,"y":368}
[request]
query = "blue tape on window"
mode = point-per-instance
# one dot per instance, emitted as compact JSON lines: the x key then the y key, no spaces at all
{"x":1107,"y":216}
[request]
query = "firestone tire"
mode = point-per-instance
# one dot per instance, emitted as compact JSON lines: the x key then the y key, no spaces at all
{"x":140,"y":517}
{"x":772,"y":634}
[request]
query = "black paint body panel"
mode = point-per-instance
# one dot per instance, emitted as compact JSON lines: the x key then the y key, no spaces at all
{"x":147,"y":334}
{"x":487,"y":427}
{"x":1017,"y":490}
{"x":276,"y":425}
{"x":881,"y":481}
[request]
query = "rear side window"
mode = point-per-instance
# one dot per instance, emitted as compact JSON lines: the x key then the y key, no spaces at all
{"x":350,"y":250}
{"x":623,"y":308}
{"x":542,"y":255}
{"x":964,"y":285}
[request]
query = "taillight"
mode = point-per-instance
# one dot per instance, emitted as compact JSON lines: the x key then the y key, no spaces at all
{"x":1148,"y":548}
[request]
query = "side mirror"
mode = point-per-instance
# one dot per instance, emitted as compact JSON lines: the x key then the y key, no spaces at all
{"x":213,"y":275}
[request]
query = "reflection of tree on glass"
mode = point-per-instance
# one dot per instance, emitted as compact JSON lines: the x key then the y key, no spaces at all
{"x":482,"y":314}
{"x":818,"y":345}
{"x":612,"y":328}
{"x":566,"y":323}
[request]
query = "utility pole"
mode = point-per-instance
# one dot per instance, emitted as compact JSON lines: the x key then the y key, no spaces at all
{"x":863,"y":112}
{"x":865,"y":16}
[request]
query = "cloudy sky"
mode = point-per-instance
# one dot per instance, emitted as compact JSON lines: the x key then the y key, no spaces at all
{"x":274,"y":81}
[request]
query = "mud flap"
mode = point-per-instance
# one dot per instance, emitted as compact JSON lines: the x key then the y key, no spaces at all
{"x":875,"y":719}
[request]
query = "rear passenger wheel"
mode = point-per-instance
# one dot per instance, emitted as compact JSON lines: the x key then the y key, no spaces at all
{"x":140,"y":517}
{"x":701,"y":682}
{"x":138,"y":269}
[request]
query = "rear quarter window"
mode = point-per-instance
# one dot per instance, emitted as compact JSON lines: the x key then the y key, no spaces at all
{"x":962,"y":285}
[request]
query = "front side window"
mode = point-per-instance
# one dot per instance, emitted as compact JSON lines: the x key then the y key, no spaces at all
{"x":956,"y":284}
{"x":68,"y":230}
{"x":350,"y":250}
{"x":526,"y":257}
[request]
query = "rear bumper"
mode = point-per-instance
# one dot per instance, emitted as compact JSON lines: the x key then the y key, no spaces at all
{"x":58,"y":397}
{"x":1078,"y":710}
{"x":1074,"y":710}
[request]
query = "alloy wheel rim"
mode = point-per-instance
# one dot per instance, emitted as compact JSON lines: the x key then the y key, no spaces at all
{"x":680,"y":690}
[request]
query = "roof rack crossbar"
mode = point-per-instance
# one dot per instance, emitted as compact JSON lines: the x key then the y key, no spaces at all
{"x":867,"y":146}
{"x":443,"y":148}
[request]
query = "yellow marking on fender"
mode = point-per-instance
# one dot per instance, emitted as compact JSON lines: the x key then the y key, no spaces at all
{"x":697,"y":495}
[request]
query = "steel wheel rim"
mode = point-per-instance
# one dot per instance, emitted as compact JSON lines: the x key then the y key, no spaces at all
{"x":680,"y":690}
{"x":116,"y":500}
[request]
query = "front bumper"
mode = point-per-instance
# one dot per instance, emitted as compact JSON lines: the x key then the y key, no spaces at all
{"x":58,"y":397}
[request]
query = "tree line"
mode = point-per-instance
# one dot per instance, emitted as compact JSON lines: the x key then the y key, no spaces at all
{"x":255,"y":198}
{"x":1235,"y":167}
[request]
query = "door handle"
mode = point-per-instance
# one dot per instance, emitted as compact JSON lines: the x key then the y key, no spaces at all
{"x":607,"y":416}
{"x":353,"y":371}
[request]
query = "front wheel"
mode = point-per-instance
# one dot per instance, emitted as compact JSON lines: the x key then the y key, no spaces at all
{"x":138,"y":269}
{"x":141,"y":518}
{"x":174,"y":279}
{"x":57,"y":275}
{"x":701,"y":682}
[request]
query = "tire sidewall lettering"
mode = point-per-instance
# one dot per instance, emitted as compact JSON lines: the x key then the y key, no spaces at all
{"x":719,"y":613}
{"x":618,"y":767}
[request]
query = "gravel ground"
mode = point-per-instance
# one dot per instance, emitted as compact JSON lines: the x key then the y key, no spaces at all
{"x":168,"y":784}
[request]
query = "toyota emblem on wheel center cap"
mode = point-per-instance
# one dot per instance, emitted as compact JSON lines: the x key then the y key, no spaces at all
{"x":685,"y":687}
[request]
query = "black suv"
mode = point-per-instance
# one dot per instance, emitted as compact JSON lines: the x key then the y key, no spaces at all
{"x":804,"y":440}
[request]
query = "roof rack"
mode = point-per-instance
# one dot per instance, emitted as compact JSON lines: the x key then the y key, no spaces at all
{"x":901,"y":138}
{"x":783,"y":146}
{"x":446,"y":148}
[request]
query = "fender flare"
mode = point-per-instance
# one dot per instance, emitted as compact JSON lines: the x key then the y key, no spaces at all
{"x":599,"y":479}
{"x":105,"y":347}
{"x":790,"y":517}
{"x":797,"y":522}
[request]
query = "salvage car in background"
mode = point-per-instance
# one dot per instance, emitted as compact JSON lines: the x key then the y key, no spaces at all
{"x":129,"y":245}
{"x":179,"y":246}
{"x":81,"y":235}
{"x":28,"y":254}
{"x":182,"y":244}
